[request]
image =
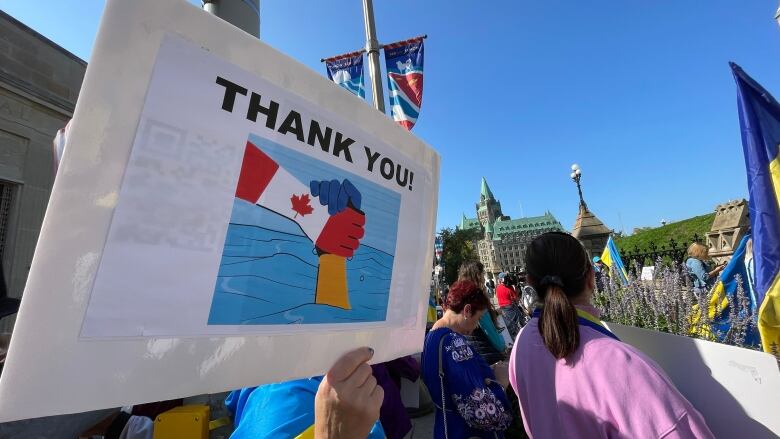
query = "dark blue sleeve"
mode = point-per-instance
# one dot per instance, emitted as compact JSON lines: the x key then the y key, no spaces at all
{"x":470,"y":384}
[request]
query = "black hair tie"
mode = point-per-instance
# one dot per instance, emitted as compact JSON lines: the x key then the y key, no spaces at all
{"x":551,"y":280}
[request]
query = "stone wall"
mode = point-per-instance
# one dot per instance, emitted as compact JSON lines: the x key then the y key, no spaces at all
{"x":730,"y":225}
{"x":39,"y":85}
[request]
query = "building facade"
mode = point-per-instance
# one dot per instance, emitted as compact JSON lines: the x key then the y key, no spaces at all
{"x":39,"y":85}
{"x":503,"y":240}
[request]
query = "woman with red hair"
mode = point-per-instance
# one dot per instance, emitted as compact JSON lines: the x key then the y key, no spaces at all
{"x":469,"y":395}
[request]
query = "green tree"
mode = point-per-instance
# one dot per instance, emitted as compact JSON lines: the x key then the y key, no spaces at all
{"x":458,"y":247}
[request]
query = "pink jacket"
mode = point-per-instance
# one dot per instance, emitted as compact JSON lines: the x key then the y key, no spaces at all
{"x":609,"y":390}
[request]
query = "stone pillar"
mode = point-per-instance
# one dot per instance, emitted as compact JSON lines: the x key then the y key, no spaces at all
{"x":730,"y":225}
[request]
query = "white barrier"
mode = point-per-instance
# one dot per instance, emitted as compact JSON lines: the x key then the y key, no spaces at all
{"x":736,"y":390}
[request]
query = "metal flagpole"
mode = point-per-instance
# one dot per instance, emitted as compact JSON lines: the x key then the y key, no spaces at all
{"x":243,"y":14}
{"x":372,"y":48}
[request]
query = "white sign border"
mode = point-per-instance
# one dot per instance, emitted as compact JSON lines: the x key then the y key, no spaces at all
{"x":49,"y":371}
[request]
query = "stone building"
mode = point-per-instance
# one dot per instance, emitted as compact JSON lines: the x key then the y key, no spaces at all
{"x":731,"y":224}
{"x":39,"y":84}
{"x":590,"y":231}
{"x":503,"y":240}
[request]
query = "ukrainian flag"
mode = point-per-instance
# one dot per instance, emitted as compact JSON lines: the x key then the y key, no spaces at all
{"x":432,"y":316}
{"x":724,"y":295}
{"x":759,"y":120}
{"x":611,"y":256}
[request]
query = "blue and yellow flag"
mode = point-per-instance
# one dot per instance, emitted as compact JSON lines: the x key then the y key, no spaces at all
{"x":432,"y":315}
{"x":724,"y":296}
{"x":759,"y":120}
{"x":611,"y":256}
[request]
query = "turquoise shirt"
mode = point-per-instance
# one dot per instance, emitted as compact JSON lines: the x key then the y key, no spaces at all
{"x":486,"y":323}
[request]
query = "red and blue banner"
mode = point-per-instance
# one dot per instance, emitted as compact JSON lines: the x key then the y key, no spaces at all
{"x":404,"y":61}
{"x":347,"y":71}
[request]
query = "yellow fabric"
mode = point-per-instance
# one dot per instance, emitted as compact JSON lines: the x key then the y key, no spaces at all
{"x":769,"y":318}
{"x":718,"y":300}
{"x":769,"y":311}
{"x":432,"y":314}
{"x":717,"y":304}
{"x":774,"y":171}
{"x":606,"y":257}
{"x":697,"y":328}
{"x":307,"y":434}
{"x":588,"y":316}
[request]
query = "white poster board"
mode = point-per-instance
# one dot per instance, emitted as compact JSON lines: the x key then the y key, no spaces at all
{"x":736,"y":390}
{"x":648,"y":273}
{"x":222,"y":217}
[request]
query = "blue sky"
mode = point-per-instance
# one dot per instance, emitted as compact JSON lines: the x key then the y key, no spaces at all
{"x":638,"y":93}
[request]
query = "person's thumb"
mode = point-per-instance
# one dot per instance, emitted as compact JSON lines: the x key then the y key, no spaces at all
{"x":347,"y":363}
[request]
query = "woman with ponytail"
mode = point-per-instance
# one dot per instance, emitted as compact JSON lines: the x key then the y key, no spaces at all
{"x":573,"y":377}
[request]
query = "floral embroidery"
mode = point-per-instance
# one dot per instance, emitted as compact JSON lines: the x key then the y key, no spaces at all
{"x":481,"y":409}
{"x":459,"y":349}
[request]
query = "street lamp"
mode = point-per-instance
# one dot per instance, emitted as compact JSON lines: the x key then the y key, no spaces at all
{"x":777,"y":16}
{"x":576,"y":175}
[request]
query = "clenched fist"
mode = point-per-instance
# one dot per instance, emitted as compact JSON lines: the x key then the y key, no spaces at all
{"x":342,"y":233}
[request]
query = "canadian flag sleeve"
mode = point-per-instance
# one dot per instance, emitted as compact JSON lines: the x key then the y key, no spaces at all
{"x":263,"y":182}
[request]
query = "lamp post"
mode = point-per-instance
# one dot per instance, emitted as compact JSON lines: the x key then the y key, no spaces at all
{"x":372,"y":49}
{"x":576,"y":174}
{"x":777,"y":16}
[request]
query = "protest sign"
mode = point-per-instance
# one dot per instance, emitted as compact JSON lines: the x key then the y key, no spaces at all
{"x":735,"y":389}
{"x":222,"y":217}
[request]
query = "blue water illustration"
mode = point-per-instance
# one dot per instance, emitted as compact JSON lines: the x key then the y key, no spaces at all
{"x":268,"y":272}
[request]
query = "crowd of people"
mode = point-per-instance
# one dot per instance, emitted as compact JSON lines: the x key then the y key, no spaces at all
{"x":571,"y":375}
{"x":565,"y":375}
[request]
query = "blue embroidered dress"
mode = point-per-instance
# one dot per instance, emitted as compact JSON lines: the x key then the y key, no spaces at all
{"x":474,"y":408}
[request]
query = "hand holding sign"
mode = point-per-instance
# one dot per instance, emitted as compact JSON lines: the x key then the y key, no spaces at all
{"x":348,"y":399}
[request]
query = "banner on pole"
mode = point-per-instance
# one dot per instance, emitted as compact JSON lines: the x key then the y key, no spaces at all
{"x":347,"y":71}
{"x":224,"y":217}
{"x":404,"y":61}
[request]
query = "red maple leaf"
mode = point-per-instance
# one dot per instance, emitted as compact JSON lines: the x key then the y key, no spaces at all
{"x":300,"y":204}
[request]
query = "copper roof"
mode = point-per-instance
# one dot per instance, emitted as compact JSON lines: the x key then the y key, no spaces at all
{"x":587,"y":224}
